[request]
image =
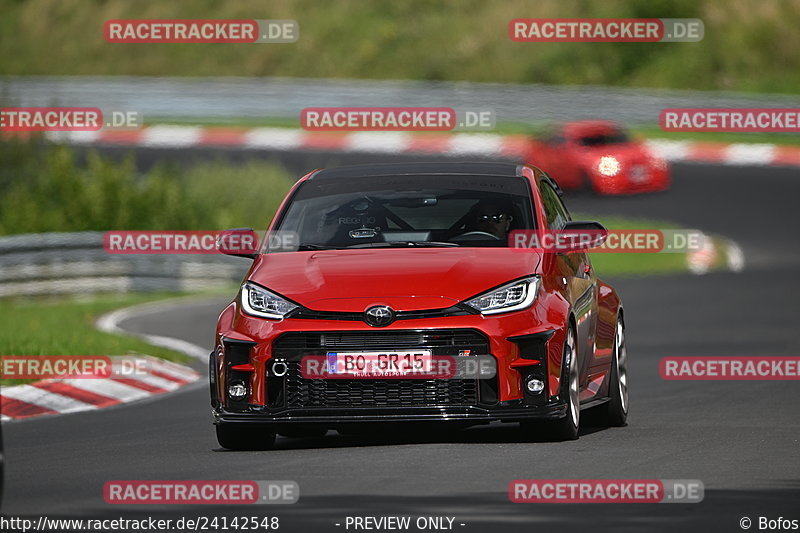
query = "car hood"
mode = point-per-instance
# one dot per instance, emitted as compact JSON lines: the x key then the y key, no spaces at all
{"x":405,"y":279}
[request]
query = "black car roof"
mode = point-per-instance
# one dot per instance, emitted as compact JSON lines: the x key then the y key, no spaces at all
{"x":396,"y":169}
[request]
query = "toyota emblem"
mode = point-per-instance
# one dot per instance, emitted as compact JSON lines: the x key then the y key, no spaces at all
{"x":379,"y":316}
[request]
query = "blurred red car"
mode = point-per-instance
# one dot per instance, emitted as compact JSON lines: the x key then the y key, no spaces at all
{"x":600,"y":156}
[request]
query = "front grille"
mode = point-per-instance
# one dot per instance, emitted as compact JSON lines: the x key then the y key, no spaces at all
{"x":309,"y":393}
{"x":302,"y":392}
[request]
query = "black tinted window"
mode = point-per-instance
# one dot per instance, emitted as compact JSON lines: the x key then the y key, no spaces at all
{"x":555,"y":211}
{"x":346,"y":212}
{"x":608,"y":137}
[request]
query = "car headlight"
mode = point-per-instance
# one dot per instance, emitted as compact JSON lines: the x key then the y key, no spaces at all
{"x":511,"y":297}
{"x":608,"y":166}
{"x":258,"y":301}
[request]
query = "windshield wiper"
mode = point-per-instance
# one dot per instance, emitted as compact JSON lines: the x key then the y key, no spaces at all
{"x":405,"y":244}
{"x":308,"y":246}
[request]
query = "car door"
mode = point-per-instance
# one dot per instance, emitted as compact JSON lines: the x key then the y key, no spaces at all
{"x":580,"y":284}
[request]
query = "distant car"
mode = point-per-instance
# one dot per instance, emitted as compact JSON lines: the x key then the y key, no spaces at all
{"x":600,"y":156}
{"x":407,"y":264}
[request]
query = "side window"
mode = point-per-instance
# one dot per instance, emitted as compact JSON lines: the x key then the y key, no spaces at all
{"x":554,"y":209}
{"x":563,"y":207}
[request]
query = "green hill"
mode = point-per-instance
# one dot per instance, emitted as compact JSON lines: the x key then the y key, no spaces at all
{"x":748,"y":45}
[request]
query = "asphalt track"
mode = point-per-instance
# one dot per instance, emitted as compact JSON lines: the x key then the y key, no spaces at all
{"x":742,"y":439}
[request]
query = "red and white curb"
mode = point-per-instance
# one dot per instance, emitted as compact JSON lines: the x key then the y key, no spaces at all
{"x":61,"y":396}
{"x":453,"y":144}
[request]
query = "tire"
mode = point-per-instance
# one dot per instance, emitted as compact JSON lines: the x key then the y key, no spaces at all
{"x":212,"y":381}
{"x":565,"y":428}
{"x":614,"y":413}
{"x":245,"y":436}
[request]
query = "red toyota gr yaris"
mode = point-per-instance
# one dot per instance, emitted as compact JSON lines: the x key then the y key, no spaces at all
{"x":374,"y":276}
{"x":599,"y":155}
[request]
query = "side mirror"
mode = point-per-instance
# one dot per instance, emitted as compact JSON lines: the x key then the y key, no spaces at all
{"x":583,"y":235}
{"x":241,"y":242}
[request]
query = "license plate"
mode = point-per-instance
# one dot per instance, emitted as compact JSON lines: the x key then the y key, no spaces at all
{"x":380,"y":364}
{"x":638,"y":174}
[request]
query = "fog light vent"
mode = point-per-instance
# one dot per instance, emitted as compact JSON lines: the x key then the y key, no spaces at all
{"x":237,"y":391}
{"x":534,"y":386}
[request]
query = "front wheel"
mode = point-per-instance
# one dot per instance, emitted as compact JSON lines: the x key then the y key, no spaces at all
{"x":243,"y":437}
{"x":567,"y":428}
{"x":615,"y":411}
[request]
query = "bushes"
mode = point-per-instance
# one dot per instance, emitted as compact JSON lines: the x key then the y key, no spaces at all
{"x":46,"y":188}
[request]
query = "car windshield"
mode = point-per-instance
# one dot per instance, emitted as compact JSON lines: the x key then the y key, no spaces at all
{"x":407,"y":211}
{"x":604,"y":137}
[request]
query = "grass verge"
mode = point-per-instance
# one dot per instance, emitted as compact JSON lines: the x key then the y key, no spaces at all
{"x":646,"y":264}
{"x":65,"y":326}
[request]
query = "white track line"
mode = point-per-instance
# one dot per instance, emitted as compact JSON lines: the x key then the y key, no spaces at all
{"x":277,"y":138}
{"x":749,"y":154}
{"x":109,"y":323}
{"x":74,"y":137}
{"x":171,"y":136}
{"x":475,"y":144}
{"x":388,"y":142}
{"x":669,"y":150}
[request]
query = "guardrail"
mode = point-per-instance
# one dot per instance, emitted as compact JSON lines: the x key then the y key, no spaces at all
{"x":226,"y":98}
{"x":72,"y":263}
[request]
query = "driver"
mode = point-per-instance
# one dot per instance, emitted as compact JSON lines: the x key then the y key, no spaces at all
{"x":490,"y":217}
